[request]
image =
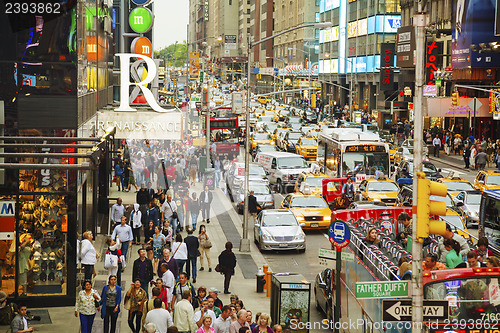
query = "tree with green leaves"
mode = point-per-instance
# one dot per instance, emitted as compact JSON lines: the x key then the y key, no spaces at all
{"x":174,"y":55}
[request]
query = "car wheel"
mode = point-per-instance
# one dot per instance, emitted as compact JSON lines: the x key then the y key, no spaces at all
{"x":281,"y":188}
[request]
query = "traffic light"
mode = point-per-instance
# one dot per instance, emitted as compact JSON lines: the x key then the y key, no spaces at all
{"x":427,"y":208}
{"x":455,"y":98}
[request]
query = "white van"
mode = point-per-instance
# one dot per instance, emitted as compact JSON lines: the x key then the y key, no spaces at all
{"x":282,"y":168}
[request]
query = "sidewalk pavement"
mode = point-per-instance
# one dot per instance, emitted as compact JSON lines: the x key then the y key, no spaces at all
{"x":457,"y":161}
{"x":243,"y":282}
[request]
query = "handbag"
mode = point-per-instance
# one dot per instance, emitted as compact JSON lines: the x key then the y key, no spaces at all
{"x":206,"y":243}
{"x":123,"y":261}
{"x":110,"y":261}
{"x":217,"y":268}
{"x":126,"y":305}
{"x":174,"y":214}
{"x":96,"y":304}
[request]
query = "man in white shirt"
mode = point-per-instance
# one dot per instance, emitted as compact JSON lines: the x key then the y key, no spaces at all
{"x":124,"y":233}
{"x":168,"y":280}
{"x":167,"y":212}
{"x":198,"y":315}
{"x":117,"y":211}
{"x":160,"y":317}
{"x":184,"y":314}
{"x":222,"y":323}
{"x":437,"y":145}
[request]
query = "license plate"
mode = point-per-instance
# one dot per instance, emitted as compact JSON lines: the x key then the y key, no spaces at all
{"x":314,"y":225}
{"x":283,"y":244}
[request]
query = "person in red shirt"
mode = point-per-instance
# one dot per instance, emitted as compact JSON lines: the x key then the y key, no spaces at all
{"x":163,"y":294}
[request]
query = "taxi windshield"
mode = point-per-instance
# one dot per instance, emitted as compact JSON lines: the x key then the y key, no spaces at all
{"x":294,"y":136}
{"x":261,"y":136}
{"x":493,"y":180}
{"x":308,"y":202}
{"x":473,"y":298}
{"x":266,"y":119}
{"x":314,"y":181}
{"x":279,"y":220}
{"x":259,"y":189}
{"x":294,"y":120}
{"x":445,"y":199}
{"x":458,"y":186}
{"x":308,"y":142}
{"x":292,"y":163}
{"x":473,"y":199}
{"x":382,"y":187}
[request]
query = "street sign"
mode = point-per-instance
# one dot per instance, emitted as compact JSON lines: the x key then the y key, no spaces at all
{"x":339,"y":234}
{"x":401,"y":310}
{"x":332,"y":255}
{"x":475,"y":106}
{"x":382,"y":289}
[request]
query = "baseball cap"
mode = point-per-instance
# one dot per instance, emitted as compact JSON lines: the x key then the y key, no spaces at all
{"x":36,"y":255}
{"x":44,"y":266}
{"x":59,"y":266}
{"x":52,"y":255}
{"x":52,"y":265}
{"x":51,"y":276}
{"x":36,"y":268}
{"x":45,"y":256}
{"x":213,"y":290}
{"x":43,"y":276}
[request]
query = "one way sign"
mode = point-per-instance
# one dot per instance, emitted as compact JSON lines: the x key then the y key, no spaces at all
{"x":401,"y":310}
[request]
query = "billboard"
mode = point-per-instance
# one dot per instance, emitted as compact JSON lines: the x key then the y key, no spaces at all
{"x":474,"y":23}
{"x":194,"y":64}
{"x":405,"y":47}
{"x":230,"y":42}
{"x":387,"y":60}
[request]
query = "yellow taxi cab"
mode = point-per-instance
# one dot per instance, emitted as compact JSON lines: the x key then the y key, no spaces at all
{"x":278,"y":130}
{"x":487,"y":180}
{"x":313,"y":180}
{"x":456,"y":221}
{"x":455,"y":185}
{"x":379,"y":189}
{"x":311,"y":211}
{"x":264,"y":99}
{"x":307,"y":147}
{"x":392,"y":151}
{"x":263,"y":138}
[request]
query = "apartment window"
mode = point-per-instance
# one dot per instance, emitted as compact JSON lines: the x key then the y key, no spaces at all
{"x":248,"y":2}
{"x":316,"y":33}
{"x":248,"y":20}
{"x":230,"y":2}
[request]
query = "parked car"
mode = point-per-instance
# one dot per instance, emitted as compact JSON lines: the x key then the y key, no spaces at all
{"x":323,"y":292}
{"x":262,"y":193}
{"x":468,"y":203}
{"x":278,"y":229}
{"x":235,"y":176}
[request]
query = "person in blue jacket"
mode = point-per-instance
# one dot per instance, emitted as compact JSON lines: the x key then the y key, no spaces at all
{"x":111,"y":298}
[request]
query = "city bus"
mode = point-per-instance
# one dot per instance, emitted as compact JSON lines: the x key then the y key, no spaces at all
{"x":346,"y":152}
{"x":489,"y":221}
{"x":473,"y":294}
{"x":225,"y":133}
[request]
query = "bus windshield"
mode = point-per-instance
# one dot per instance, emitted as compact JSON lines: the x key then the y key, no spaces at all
{"x":474,"y":298}
{"x":365,"y":163}
{"x":291,"y":163}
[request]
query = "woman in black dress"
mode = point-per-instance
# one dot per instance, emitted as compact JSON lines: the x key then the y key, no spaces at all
{"x":227,"y":263}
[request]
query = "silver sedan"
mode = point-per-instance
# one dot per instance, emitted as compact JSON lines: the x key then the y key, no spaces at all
{"x":278,"y":229}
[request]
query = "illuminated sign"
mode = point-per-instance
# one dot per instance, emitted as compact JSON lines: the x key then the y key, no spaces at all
{"x":327,"y":66}
{"x":142,"y":45}
{"x":331,"y":4}
{"x":357,"y":28}
{"x":364,"y":148}
{"x":431,"y":61}
{"x":387,"y":73}
{"x":141,"y":20}
{"x":330,"y":34}
{"x":387,"y":23}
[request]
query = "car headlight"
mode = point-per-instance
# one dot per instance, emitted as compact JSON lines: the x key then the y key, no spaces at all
{"x":473,"y":214}
{"x":327,"y":218}
{"x":300,"y":218}
{"x":266,"y":237}
{"x":300,"y":236}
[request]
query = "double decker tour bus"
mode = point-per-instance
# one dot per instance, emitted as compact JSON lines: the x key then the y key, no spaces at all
{"x":489,"y":221}
{"x":352,"y":152}
{"x":224,"y":135}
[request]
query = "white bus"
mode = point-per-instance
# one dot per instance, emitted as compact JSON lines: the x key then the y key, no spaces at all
{"x":346,"y":152}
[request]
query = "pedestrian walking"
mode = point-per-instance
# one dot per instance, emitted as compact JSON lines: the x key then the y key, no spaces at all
{"x":149,"y":232}
{"x":87,"y":304}
{"x":168,"y":280}
{"x":227,"y":263}
{"x":497,"y":160}
{"x":169,"y":212}
{"x":481,"y":159}
{"x":263,"y":324}
{"x":184,"y":314}
{"x":117,"y":211}
{"x":142,"y":270}
{"x":182,"y":285}
{"x":152,"y":213}
{"x":223,"y":321}
{"x":119,"y":176}
{"x":135,"y":222}
{"x":159,"y":316}
{"x":158,"y":241}
{"x":473,"y":153}
{"x":457,"y":142}
{"x":123,"y":232}
{"x":218,"y":167}
{"x":436,"y":143}
{"x":136,"y":296}
{"x":179,"y":202}
{"x":193,"y":168}
{"x":206,"y":198}
{"x":253,"y":206}
{"x":194,"y":209}
{"x":111,"y":297}
{"x":466,"y":156}
{"x":114,"y":249}
{"x":206,"y":321}
{"x":167,"y":232}
{"x":193,"y":245}
{"x":171,"y":264}
{"x":205,"y":245}
{"x":88,"y":255}
{"x":180,"y":252}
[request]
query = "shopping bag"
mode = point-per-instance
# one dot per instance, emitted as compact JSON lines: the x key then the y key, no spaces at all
{"x":110,"y":261}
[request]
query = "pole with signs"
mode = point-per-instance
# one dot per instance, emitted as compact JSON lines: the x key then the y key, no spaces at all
{"x":340,"y":236}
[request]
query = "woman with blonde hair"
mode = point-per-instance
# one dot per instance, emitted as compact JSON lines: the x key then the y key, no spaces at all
{"x":205,"y":325}
{"x":263,"y":323}
{"x":371,"y":237}
{"x":88,"y":254}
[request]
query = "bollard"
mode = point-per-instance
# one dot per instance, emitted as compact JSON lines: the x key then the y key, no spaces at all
{"x":265,"y":268}
{"x":268,"y":283}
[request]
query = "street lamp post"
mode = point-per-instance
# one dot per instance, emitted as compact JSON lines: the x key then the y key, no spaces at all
{"x":245,"y":241}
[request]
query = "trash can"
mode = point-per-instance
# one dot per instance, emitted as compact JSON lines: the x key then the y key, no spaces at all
{"x":210,"y":178}
{"x":261,"y":281}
